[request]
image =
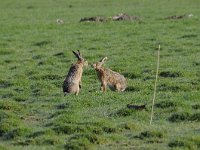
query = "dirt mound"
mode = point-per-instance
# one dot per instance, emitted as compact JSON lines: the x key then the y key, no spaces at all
{"x":93,"y":19}
{"x":118,"y":17}
{"x":122,"y":16}
{"x":176,"y":17}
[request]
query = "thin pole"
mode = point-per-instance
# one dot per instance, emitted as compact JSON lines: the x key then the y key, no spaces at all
{"x":155,"y":85}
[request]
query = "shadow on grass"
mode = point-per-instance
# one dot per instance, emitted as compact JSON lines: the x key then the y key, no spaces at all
{"x":19,"y":132}
{"x":5,"y":84}
{"x":60,"y":55}
{"x":185,"y":143}
{"x":188,"y":36}
{"x":130,"y":75}
{"x":123,"y":112}
{"x":166,"y":104}
{"x":176,"y":143}
{"x":196,"y":106}
{"x":132,"y":89}
{"x":170,"y":74}
{"x":196,"y":63}
{"x":63,"y":106}
{"x":184,"y":116}
{"x":42,"y":43}
{"x":165,"y":87}
{"x":151,"y":136}
{"x":45,"y":77}
{"x":30,"y":7}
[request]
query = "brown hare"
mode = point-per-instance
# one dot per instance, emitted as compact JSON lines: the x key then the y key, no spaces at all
{"x":72,"y":82}
{"x":114,"y":80}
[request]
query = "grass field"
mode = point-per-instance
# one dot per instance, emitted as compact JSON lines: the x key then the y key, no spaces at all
{"x":35,"y":55}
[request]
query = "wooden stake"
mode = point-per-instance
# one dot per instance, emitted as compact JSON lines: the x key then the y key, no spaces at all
{"x":155,"y":85}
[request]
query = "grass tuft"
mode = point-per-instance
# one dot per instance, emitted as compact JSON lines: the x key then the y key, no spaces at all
{"x":184,"y":116}
{"x":132,"y":89}
{"x":5,"y":84}
{"x":131,"y":75}
{"x":195,"y":117}
{"x":170,"y":74}
{"x":123,"y":112}
{"x":166,"y":104}
{"x":42,"y":43}
{"x":8,"y":124}
{"x":68,"y":129}
{"x":36,"y":53}
{"x":178,"y":117}
{"x":186,"y":142}
{"x":75,"y":144}
{"x":176,"y":143}
{"x":166,"y":88}
{"x":196,"y":106}
{"x":150,"y":134}
{"x":10,"y":105}
{"x":18,"y":132}
{"x":63,"y":106}
{"x":60,"y":55}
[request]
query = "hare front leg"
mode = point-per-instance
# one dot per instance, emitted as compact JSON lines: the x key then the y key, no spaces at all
{"x":77,"y":91}
{"x":103,"y":86}
{"x":80,"y":85}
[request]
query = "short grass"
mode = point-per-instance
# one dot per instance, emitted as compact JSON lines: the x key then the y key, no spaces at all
{"x":35,"y":55}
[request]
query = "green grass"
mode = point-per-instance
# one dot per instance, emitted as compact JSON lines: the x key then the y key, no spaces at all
{"x":35,"y":55}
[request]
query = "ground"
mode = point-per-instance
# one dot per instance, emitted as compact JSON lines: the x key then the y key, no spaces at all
{"x":35,"y":55}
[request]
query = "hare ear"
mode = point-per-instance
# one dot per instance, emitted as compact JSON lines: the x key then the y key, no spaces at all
{"x":103,"y":60}
{"x":79,"y":53}
{"x":75,"y":54}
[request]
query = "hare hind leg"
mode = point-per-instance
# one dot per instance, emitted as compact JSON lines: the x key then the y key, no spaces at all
{"x":80,"y":85}
{"x":103,"y":86}
{"x":119,"y":88}
{"x":77,"y":92}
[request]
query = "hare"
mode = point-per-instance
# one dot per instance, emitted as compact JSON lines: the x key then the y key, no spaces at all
{"x":114,"y":80}
{"x":72,"y":82}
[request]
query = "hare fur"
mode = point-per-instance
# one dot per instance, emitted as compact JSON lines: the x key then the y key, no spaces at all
{"x":107,"y":77}
{"x":72,"y":82}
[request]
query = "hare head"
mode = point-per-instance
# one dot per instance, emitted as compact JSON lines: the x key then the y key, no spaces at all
{"x":99,"y":64}
{"x":72,"y":82}
{"x":80,"y":58}
{"x":107,"y":77}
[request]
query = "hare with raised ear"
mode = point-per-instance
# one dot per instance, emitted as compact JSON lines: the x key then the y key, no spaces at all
{"x":72,"y":82}
{"x":112,"y":79}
